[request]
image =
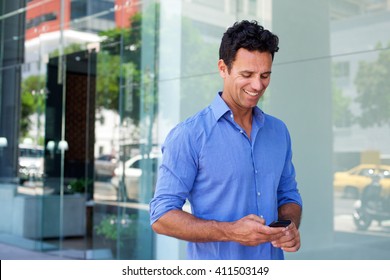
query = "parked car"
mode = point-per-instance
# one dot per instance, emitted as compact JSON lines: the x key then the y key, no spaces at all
{"x":105,"y":166}
{"x":132,"y":175}
{"x":352,"y":182}
{"x":31,"y":158}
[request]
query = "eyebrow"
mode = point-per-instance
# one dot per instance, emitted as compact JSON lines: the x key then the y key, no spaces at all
{"x":249,"y":71}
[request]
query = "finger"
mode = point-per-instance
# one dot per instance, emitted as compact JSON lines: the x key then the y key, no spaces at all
{"x":274,"y":234}
{"x":256,"y":218}
{"x":288,"y":243}
{"x":292,"y":248}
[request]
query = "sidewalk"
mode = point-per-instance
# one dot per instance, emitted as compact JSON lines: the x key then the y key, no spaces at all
{"x":10,"y":252}
{"x":346,"y":247}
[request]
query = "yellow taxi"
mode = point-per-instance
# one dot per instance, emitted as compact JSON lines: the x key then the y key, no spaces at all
{"x":353,"y":181}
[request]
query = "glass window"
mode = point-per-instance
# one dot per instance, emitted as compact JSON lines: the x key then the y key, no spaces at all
{"x":252,"y":7}
{"x":341,"y":70}
{"x":361,"y":133}
{"x":384,"y":173}
{"x":101,"y":83}
{"x":218,"y":4}
{"x":366,"y":172}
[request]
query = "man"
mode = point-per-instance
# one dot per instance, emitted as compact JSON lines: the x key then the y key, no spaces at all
{"x":233,"y":163}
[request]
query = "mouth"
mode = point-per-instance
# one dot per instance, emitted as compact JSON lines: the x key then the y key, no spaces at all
{"x":253,"y":94}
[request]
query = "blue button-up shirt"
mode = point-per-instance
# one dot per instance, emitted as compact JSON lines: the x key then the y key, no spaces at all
{"x":209,"y":160}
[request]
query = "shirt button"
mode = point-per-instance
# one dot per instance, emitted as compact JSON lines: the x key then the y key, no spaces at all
{"x":231,"y":115}
{"x":258,"y":193}
{"x":241,"y":131}
{"x":256,"y":171}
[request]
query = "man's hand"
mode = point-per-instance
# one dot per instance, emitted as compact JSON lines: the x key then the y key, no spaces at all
{"x":290,"y":241}
{"x":249,"y":230}
{"x":252,"y":231}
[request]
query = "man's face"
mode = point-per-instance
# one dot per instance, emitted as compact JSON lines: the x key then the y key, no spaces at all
{"x":248,"y":79}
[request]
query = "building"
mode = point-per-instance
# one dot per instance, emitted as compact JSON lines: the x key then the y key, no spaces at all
{"x":115,"y":76}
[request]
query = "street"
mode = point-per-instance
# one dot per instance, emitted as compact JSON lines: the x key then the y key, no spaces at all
{"x":343,"y":221}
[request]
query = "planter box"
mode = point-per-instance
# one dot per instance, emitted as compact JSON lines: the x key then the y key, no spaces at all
{"x":37,"y":217}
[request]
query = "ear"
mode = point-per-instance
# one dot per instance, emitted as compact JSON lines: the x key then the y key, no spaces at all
{"x":223,"y":69}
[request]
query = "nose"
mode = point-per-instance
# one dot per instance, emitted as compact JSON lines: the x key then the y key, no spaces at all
{"x":257,"y":84}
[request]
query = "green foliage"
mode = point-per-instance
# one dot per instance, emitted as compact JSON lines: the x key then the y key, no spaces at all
{"x":119,"y":61}
{"x":373,"y":90}
{"x":342,"y":116}
{"x":32,"y":100}
{"x":113,"y":227}
{"x":124,"y":42}
{"x":199,"y":73}
{"x":107,"y":82}
{"x":72,"y":48}
{"x":78,"y":185}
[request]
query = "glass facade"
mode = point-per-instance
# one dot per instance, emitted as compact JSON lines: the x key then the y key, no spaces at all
{"x":90,"y":89}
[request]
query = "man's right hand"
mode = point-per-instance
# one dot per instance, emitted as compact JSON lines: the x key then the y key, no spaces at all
{"x":252,"y":231}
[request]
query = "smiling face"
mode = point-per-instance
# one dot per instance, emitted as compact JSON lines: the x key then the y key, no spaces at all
{"x":247,"y":80}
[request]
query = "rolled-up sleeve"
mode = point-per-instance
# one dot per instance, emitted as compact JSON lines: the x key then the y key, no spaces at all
{"x":287,"y":190}
{"x":176,"y":173}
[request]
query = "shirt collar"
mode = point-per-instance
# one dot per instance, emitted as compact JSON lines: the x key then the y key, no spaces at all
{"x":220,"y":108}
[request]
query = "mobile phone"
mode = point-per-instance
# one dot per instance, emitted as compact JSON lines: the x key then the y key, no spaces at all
{"x":280,"y":223}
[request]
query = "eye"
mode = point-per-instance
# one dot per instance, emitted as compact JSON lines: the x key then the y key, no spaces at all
{"x":265,"y":75}
{"x":246,"y":74}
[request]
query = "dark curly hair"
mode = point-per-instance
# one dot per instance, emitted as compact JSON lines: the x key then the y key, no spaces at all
{"x":248,"y":35}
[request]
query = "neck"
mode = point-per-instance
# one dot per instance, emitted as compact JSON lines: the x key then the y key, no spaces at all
{"x":245,"y":121}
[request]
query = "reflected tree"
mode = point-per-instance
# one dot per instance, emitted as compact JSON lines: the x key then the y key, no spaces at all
{"x":373,"y":89}
{"x":201,"y":80}
{"x":119,"y":63}
{"x":342,"y":115}
{"x":32,"y":101}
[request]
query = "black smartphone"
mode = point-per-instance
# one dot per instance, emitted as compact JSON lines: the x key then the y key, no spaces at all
{"x":280,"y":223}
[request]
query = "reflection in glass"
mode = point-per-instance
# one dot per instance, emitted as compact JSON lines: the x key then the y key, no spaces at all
{"x":360,"y":117}
{"x":133,"y":69}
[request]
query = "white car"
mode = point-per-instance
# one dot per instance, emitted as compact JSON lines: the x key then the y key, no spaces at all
{"x":31,"y":162}
{"x":105,"y":166}
{"x":132,"y":176}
